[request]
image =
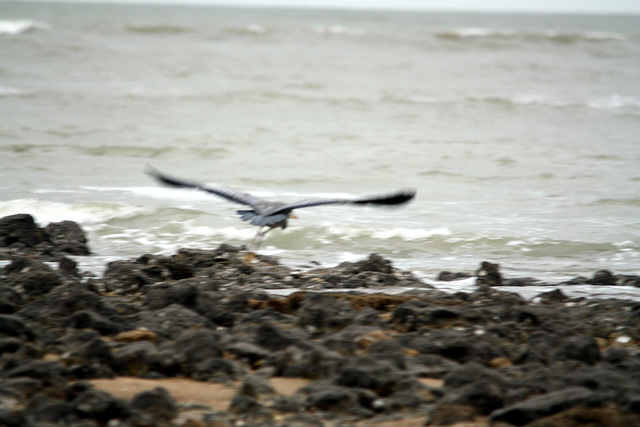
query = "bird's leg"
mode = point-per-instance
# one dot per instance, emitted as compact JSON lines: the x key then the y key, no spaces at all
{"x":255,"y":239}
{"x":250,"y":255}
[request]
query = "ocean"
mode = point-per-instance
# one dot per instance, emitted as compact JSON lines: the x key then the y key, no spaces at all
{"x":520,"y":132}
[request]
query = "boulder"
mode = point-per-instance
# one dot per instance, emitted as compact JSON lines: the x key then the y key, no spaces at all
{"x":157,"y":404}
{"x":67,"y":237}
{"x":527,"y":411}
{"x":31,"y":277}
{"x":20,"y":230}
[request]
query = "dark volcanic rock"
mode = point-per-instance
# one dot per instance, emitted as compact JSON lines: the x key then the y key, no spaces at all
{"x":136,"y":359}
{"x":484,"y":396}
{"x":448,"y":276}
{"x":458,"y":346}
{"x":415,"y":314}
{"x":100,"y":406}
{"x":19,"y":234}
{"x":202,"y":351}
{"x":322,"y":312}
{"x":314,"y":362}
{"x":31,"y":277}
{"x":489,"y":274}
{"x":170,"y":321}
{"x":374,"y":263}
{"x":67,"y":237}
{"x":13,"y":326}
{"x":369,"y":372}
{"x":90,"y":319}
{"x":374,"y":271}
{"x":124,"y":277}
{"x":547,"y":404}
{"x":547,"y":348}
{"x":603,"y":278}
{"x":161,"y":296}
{"x":250,"y":353}
{"x":43,"y":410}
{"x":338,"y":399}
{"x":208,"y":315}
{"x":158,"y":404}
{"x":20,"y":230}
{"x":257,"y":388}
{"x":10,"y":299}
{"x":272,"y":337}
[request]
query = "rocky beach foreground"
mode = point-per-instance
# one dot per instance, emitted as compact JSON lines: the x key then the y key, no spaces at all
{"x":223,"y":338}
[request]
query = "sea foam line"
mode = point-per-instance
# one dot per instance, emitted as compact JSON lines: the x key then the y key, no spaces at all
{"x":84,"y":213}
{"x":14,"y":27}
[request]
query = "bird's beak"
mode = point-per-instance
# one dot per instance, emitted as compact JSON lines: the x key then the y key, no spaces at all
{"x":293,"y":216}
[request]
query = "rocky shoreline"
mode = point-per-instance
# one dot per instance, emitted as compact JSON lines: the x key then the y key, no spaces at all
{"x":201,"y":338}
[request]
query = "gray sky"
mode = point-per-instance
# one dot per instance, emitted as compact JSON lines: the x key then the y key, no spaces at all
{"x":564,"y":6}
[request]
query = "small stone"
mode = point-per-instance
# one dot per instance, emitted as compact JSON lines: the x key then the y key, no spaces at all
{"x":140,"y":334}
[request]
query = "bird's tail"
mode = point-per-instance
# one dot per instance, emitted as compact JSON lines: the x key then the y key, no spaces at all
{"x":168,"y":180}
{"x":398,"y":198}
{"x":246,"y":215}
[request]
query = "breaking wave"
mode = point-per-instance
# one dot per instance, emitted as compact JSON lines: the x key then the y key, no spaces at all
{"x":532,"y":35}
{"x":84,"y":213}
{"x":14,"y":27}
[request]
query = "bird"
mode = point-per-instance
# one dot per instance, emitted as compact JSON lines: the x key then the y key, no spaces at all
{"x":268,"y":215}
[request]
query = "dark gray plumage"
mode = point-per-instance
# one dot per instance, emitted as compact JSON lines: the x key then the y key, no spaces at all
{"x":275,"y":214}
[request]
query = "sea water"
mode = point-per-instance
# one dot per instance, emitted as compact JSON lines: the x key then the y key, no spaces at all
{"x":520,"y":132}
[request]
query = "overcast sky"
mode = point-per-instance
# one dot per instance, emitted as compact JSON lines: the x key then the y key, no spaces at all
{"x":580,"y":6}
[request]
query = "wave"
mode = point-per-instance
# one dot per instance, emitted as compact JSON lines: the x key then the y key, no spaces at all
{"x":85,"y":213}
{"x":457,"y":34}
{"x":377,"y":34}
{"x":613,"y":102}
{"x":10,"y":91}
{"x":14,"y":27}
{"x":157,"y":28}
{"x":410,"y":234}
{"x":605,"y":102}
{"x":600,"y":102}
{"x":337,"y":30}
{"x":629,"y":201}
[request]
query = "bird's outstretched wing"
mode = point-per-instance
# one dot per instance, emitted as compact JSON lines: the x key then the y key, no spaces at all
{"x":232,"y":195}
{"x":397,"y":198}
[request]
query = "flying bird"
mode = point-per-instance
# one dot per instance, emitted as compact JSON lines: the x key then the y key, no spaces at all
{"x":263,"y":213}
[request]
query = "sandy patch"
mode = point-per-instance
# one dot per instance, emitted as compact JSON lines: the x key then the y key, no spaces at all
{"x":186,"y":391}
{"x":217,"y":397}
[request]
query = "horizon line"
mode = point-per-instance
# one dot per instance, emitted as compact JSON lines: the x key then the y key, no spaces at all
{"x":324,"y":6}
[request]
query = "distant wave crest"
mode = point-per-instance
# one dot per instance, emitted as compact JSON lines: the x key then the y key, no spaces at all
{"x":516,"y":34}
{"x":14,"y":27}
{"x":156,"y":28}
{"x":605,"y":102}
{"x":85,"y":213}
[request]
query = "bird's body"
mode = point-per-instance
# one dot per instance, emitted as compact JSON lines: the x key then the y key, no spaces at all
{"x":264,"y":213}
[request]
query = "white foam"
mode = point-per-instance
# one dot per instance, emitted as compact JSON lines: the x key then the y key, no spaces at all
{"x":10,"y":91}
{"x":604,"y":35}
{"x":158,"y":192}
{"x":13,"y":27}
{"x":337,"y":30}
{"x":613,"y":102}
{"x":411,"y":234}
{"x":470,"y":32}
{"x":85,"y":213}
{"x":479,"y":32}
{"x":225,"y":232}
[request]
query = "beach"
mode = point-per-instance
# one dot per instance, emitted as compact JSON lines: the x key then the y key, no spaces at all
{"x":506,"y":293}
{"x":225,"y":338}
{"x":518,"y":131}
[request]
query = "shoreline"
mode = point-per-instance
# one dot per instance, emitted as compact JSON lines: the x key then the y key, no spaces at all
{"x":111,"y":349}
